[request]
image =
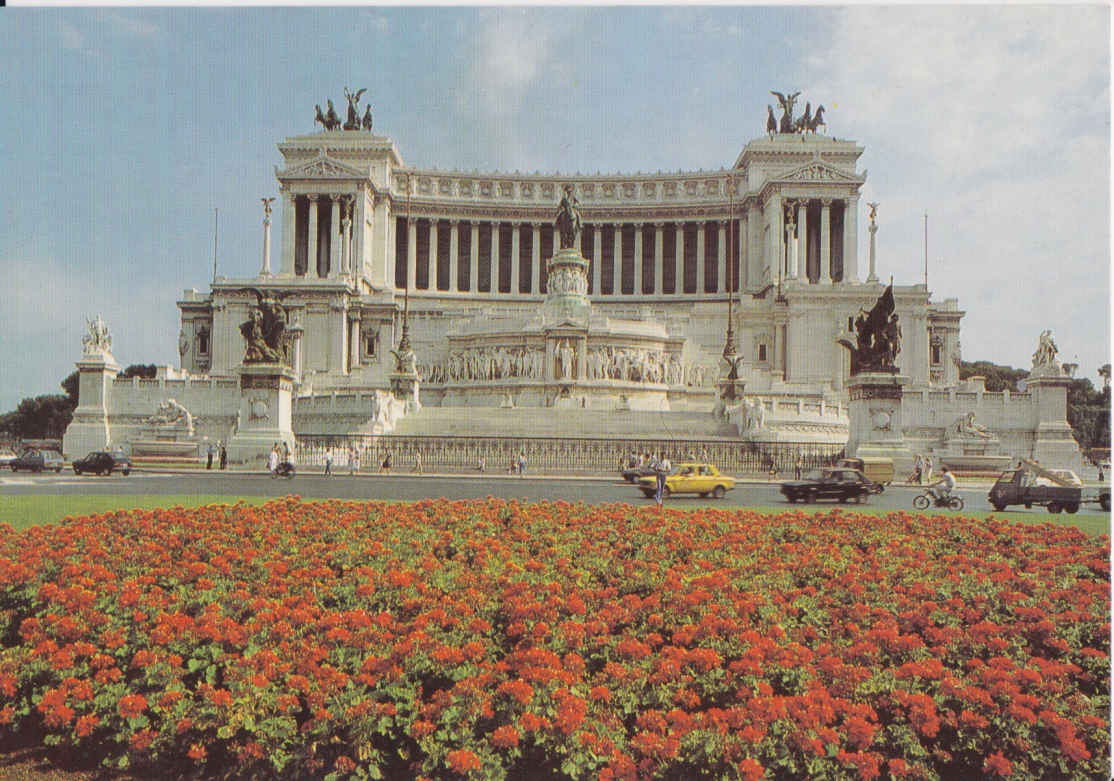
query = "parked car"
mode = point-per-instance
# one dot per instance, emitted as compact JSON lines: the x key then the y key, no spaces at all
{"x":101,"y":462}
{"x":634,"y":473}
{"x":35,"y":460}
{"x":693,"y":478}
{"x":841,"y":484}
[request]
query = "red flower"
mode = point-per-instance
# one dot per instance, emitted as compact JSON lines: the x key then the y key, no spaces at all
{"x":132,"y":705}
{"x":505,"y":736}
{"x":463,"y":761}
{"x":997,"y":765}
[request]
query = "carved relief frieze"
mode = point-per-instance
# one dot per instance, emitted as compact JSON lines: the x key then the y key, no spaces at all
{"x":445,"y":187}
{"x":506,"y":189}
{"x":692,"y":187}
{"x":548,"y":190}
{"x":425,"y":185}
{"x":711,"y":187}
{"x":649,"y":189}
{"x":465,"y":188}
{"x":486,"y":189}
{"x":588,"y":189}
{"x":608,"y":191}
{"x":670,"y":189}
{"x":867,"y":392}
{"x":526,"y":190}
{"x":628,"y":189}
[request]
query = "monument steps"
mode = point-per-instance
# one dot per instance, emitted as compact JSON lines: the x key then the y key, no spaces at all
{"x":535,"y":422}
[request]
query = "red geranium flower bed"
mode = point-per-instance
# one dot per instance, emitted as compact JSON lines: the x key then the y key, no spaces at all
{"x":495,"y":639}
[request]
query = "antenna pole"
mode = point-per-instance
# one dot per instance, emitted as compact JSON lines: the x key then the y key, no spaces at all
{"x":215,"y":213}
{"x":926,"y":251}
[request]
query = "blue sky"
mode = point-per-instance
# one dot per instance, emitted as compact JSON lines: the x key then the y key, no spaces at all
{"x":123,"y":129}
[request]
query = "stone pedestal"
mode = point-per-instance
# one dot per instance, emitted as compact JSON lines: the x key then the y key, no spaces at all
{"x":1054,"y":445}
{"x":875,"y":418}
{"x":405,"y":388}
{"x":89,"y":429}
{"x":264,"y":417}
{"x":566,"y":300}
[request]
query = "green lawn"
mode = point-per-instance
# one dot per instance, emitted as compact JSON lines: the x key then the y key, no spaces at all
{"x":23,"y":511}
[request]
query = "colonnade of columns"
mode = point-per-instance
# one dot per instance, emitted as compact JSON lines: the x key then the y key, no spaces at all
{"x":798,"y":248}
{"x":311,"y":250}
{"x":637,"y":269}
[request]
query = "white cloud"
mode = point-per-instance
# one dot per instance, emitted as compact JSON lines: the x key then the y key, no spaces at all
{"x":130,"y":25}
{"x":995,"y":120}
{"x":72,"y":38}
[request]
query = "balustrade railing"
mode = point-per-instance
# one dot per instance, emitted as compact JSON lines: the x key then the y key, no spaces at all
{"x":570,"y":455}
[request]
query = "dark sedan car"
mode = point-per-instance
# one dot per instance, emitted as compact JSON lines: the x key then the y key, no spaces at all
{"x":36,"y":460}
{"x":842,"y":484}
{"x":635,"y":472}
{"x":100,"y":462}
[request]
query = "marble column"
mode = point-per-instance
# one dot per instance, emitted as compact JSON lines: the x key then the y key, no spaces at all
{"x":288,"y":219}
{"x":825,"y":241}
{"x":454,"y":251}
{"x":637,"y":259}
{"x":597,"y":258}
{"x":474,"y":259}
{"x":659,"y":248}
{"x":431,"y":272}
{"x":701,"y":247}
{"x":802,"y":239}
{"x":334,"y":236}
{"x":721,"y":257}
{"x":353,"y":340}
{"x":411,"y":253}
{"x":516,"y":261}
{"x":346,"y":235}
{"x":850,"y":240}
{"x":678,"y":258}
{"x":536,"y":260}
{"x":494,"y":258}
{"x":265,"y":271}
{"x":617,"y":260}
{"x":311,"y":238}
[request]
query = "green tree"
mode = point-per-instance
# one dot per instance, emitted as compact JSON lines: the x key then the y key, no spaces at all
{"x":998,"y":378}
{"x":1089,"y":414}
{"x":147,"y":371}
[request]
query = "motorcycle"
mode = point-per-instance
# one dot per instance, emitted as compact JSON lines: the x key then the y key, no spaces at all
{"x":924,"y":500}
{"x":284,"y":469}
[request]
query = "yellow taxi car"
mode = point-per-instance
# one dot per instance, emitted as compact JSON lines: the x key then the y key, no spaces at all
{"x":692,"y":478}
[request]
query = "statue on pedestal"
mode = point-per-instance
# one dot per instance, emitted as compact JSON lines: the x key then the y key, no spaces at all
{"x":98,"y":340}
{"x":877,"y":337}
{"x":263,"y":330}
{"x":568,"y":218}
{"x":353,"y":122}
{"x":1046,"y":358}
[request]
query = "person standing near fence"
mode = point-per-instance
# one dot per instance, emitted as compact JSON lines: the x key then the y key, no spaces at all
{"x":328,"y":462}
{"x":418,"y":461}
{"x":522,"y":464}
{"x":353,"y":461}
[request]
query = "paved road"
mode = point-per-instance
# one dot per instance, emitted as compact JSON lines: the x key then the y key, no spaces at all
{"x":413,"y":487}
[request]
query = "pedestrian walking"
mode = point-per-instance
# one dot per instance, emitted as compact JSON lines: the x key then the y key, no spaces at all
{"x":926,"y":475}
{"x":918,"y":470}
{"x":482,"y":465}
{"x":328,"y":462}
{"x":354,"y":461}
{"x":385,"y":464}
{"x":522,"y":464}
{"x":661,"y":471}
{"x":797,"y":467}
{"x":223,"y":456}
{"x":273,"y":459}
{"x":418,"y":461}
{"x":209,"y":460}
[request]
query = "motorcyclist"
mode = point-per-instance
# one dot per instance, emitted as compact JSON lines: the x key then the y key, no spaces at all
{"x":942,"y":488}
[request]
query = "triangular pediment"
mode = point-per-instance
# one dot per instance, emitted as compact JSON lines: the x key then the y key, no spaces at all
{"x":816,"y":171}
{"x":322,"y":167}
